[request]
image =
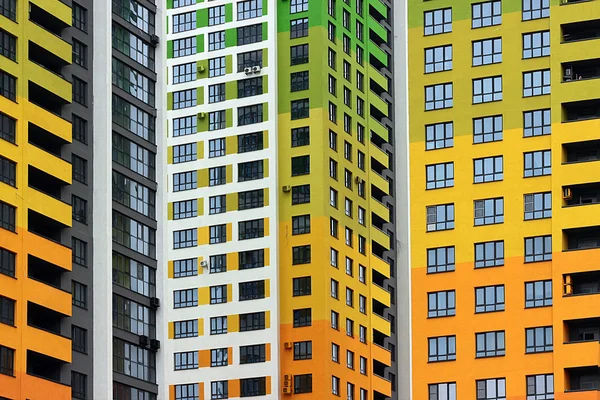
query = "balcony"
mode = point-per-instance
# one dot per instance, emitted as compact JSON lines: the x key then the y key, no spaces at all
{"x":47,"y":100}
{"x":581,"y":238}
{"x":580,"y":195}
{"x":44,"y":367}
{"x":582,"y":151}
{"x":45,"y":140}
{"x":582,"y":283}
{"x":46,"y":59}
{"x":44,"y":318}
{"x":46,"y":227}
{"x":583,"y":330}
{"x":581,"y":70}
{"x":46,"y":20}
{"x":45,"y":272}
{"x":581,"y":110}
{"x":582,"y":378}
{"x":584,"y":30}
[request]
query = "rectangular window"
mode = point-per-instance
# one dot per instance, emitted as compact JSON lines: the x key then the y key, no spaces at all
{"x":536,"y":83}
{"x":8,"y":128}
{"x":539,"y":340}
{"x":487,"y":51}
{"x":299,"y":81}
{"x":248,"y":60}
{"x":216,"y":93}
{"x":439,"y":136}
{"x":300,"y":109}
{"x":8,"y":8}
{"x":438,"y":96}
{"x":489,"y":254}
{"x":303,"y":383}
{"x":79,"y":91}
{"x":7,"y":262}
{"x":79,"y":207}
{"x":250,"y":142}
{"x":216,"y":176}
{"x":185,"y":238}
{"x":185,"y":181}
{"x":251,"y":199}
{"x":440,"y":175}
{"x":253,"y":354}
{"x":216,"y":15}
{"x":538,"y":294}
{"x":438,"y":59}
{"x":185,"y":209}
{"x":251,"y":259}
{"x":7,"y":311}
{"x":253,"y":387}
{"x":442,"y":348}
{"x":251,"y":170}
{"x":299,"y":54}
{"x":538,"y":205}
{"x":538,"y":248}
{"x":486,"y":14}
{"x":132,"y":45}
{"x":490,"y":344}
{"x":298,"y":28}
{"x":185,"y":329}
{"x":132,"y":118}
{"x":486,"y":90}
{"x":301,"y":224}
{"x":7,"y":217}
{"x":440,"y":259}
{"x":216,"y":67}
{"x":184,"y":73}
{"x":219,"y":357}
{"x":79,"y":17}
{"x":217,"y":263}
{"x":216,"y":40}
{"x":536,"y":44}
{"x":7,"y":361}
{"x":300,"y":137}
{"x":184,"y":153}
{"x":489,"y":299}
{"x":219,"y":390}
{"x":218,"y":234}
{"x":249,"y":9}
{"x":537,"y":163}
{"x":184,"y":99}
{"x":440,"y":217}
{"x":249,"y":34}
{"x":216,"y":148}
{"x":186,"y":21}
{"x":301,"y":254}
{"x":185,"y":298}
{"x":250,"y":115}
{"x":186,"y":360}
{"x":252,"y":321}
{"x":297,"y":6}
{"x":439,"y":391}
{"x":189,"y":391}
{"x":540,"y":387}
{"x":301,"y":286}
{"x":302,"y":317}
{"x":489,"y":169}
{"x":487,"y":129}
{"x":78,"y":386}
{"x":441,"y":304}
{"x":187,"y":267}
{"x":438,"y":21}
{"x":249,"y":87}
{"x":489,"y":211}
{"x":79,"y":49}
{"x":8,"y":171}
{"x":218,"y":325}
{"x":491,"y":389}
{"x":303,"y":350}
{"x":536,"y":123}
{"x":251,"y":290}
{"x":300,"y":165}
{"x":535,"y":9}
{"x":184,"y":47}
{"x":79,"y":294}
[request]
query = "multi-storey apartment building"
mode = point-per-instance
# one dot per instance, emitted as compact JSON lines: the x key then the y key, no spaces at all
{"x":504,"y":109}
{"x":281,"y":249}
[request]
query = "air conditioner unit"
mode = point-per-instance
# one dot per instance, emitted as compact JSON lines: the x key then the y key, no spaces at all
{"x":204,"y":264}
{"x":248,"y":70}
{"x":154,"y":302}
{"x":288,"y":377}
{"x":358,"y":179}
{"x":154,"y":39}
{"x":568,"y":74}
{"x":144,"y":340}
{"x":286,"y":188}
{"x":202,"y":115}
{"x":286,"y":390}
{"x":155,"y":344}
{"x":288,"y":345}
{"x":567,"y":194}
{"x":256,"y":69}
{"x":200,"y":68}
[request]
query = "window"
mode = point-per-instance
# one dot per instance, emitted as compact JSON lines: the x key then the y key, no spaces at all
{"x":218,"y":325}
{"x":535,"y":9}
{"x":489,"y":211}
{"x":489,"y":254}
{"x":536,"y":44}
{"x":538,"y":294}
{"x":249,"y":59}
{"x":301,"y":255}
{"x":536,"y":123}
{"x":536,"y":83}
{"x":78,"y":385}
{"x":332,"y":112}
{"x":297,"y":6}
{"x":538,"y":340}
{"x":490,"y":344}
{"x":335,"y":285}
{"x":301,"y":224}
{"x":133,"y":234}
{"x":348,"y":235}
{"x":136,"y":14}
{"x":216,"y":93}
{"x":303,"y":383}
{"x":187,"y":267}
{"x":8,"y":86}
{"x":251,"y":290}
{"x":219,"y":390}
{"x":438,"y":96}
{"x":442,"y":348}
{"x":253,"y":354}
{"x":79,"y":91}
{"x":441,"y":391}
{"x":218,"y":263}
{"x":7,"y":311}
{"x":299,"y":54}
{"x":251,"y":199}
{"x":249,"y":34}
{"x":185,"y":209}
{"x":216,"y":15}
{"x":216,"y":40}
{"x":335,"y":320}
{"x":216,"y":67}
{"x":439,"y":136}
{"x":250,"y":115}
{"x":251,"y":229}
{"x":7,"y":262}
{"x":249,"y":171}
{"x":331,"y":35}
{"x":489,"y":169}
{"x":335,"y":385}
{"x":216,"y":176}
{"x":79,"y":293}
{"x":7,"y":361}
{"x":438,"y":59}
{"x":362,"y":304}
{"x":132,"y":45}
{"x":218,"y":357}
{"x":362,"y":216}
{"x":184,"y":99}
{"x":184,"y":47}
{"x":537,"y":163}
{"x":7,"y":217}
{"x":186,"y":21}
{"x":491,"y":389}
{"x":250,"y":142}
{"x":538,"y":248}
{"x":538,"y":205}
{"x":186,"y":360}
{"x":540,"y":387}
{"x":8,"y":170}
{"x":362,"y":334}
{"x":440,"y":217}
{"x":252,"y":321}
{"x":253,"y":387}
{"x":8,"y":8}
{"x":335,"y":353}
{"x":185,"y":238}
{"x":440,"y":175}
{"x":349,"y":297}
{"x":251,"y":259}
{"x":349,"y":359}
{"x":486,"y":90}
{"x":185,"y":298}
{"x":248,"y":87}
{"x":489,"y":299}
{"x":184,"y":153}
{"x":134,"y":276}
{"x":349,"y":266}
{"x":300,"y":165}
{"x":218,"y":234}
{"x":8,"y":49}
{"x":438,"y":21}
{"x":299,"y":81}
{"x":440,"y":259}
{"x":303,"y":350}
{"x":333,"y":257}
{"x":488,"y":51}
{"x":183,"y":3}
{"x":487,"y":129}
{"x":301,"y":286}
{"x":189,"y":391}
{"x":331,"y":59}
{"x":8,"y":128}
{"x":349,"y":327}
{"x":79,"y":17}
{"x":441,"y":304}
{"x":486,"y":14}
{"x":249,"y":9}
{"x":185,"y":329}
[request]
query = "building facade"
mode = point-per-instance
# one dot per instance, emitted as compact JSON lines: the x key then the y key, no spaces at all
{"x":503,"y":185}
{"x":280,"y":199}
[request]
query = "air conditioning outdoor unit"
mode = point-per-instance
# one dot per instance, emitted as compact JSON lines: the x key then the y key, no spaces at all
{"x":567,"y":193}
{"x":256,"y":69}
{"x":204,"y":264}
{"x":144,"y":340}
{"x":288,"y":345}
{"x":155,"y":344}
{"x":358,"y":179}
{"x":248,"y":70}
{"x":201,"y":115}
{"x":200,"y":68}
{"x":286,"y":188}
{"x":286,"y":390}
{"x":154,"y":302}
